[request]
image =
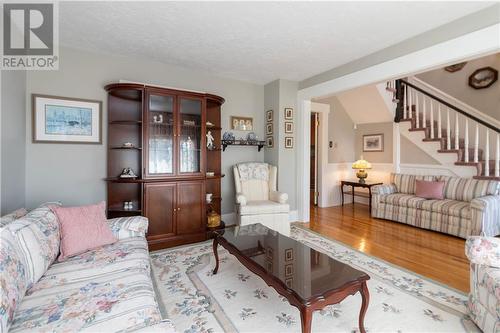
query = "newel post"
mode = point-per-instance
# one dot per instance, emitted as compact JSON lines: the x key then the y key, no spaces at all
{"x":398,"y":115}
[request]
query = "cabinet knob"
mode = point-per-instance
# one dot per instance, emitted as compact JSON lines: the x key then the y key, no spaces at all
{"x":178,"y":208}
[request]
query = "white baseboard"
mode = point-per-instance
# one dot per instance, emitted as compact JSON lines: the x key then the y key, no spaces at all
{"x":230,"y":218}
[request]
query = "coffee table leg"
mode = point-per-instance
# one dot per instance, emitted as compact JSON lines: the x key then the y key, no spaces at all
{"x":215,"y":244}
{"x":306,"y":318}
{"x":365,"y":296}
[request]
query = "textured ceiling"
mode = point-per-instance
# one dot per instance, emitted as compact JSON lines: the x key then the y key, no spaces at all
{"x":258,"y":41}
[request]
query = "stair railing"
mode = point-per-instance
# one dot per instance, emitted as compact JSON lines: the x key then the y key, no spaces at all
{"x":413,"y":101}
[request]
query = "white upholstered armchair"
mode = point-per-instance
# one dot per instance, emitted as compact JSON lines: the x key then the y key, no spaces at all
{"x":257,"y":200}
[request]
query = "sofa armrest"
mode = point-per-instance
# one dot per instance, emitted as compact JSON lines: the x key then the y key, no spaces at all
{"x":130,"y":226}
{"x":485,"y":212}
{"x":279,"y":197}
{"x":483,"y":250}
{"x":241,"y":199}
{"x":384,"y":189}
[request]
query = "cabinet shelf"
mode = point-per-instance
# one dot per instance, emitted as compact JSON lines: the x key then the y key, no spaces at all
{"x":120,"y":209}
{"x":125,"y":122}
{"x":216,"y":176}
{"x":125,"y":148}
{"x":214,"y":128}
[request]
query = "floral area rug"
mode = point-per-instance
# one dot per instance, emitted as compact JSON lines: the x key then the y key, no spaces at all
{"x":236,"y":300}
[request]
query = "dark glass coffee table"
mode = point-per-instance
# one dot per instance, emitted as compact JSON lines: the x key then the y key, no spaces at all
{"x":308,"y":279}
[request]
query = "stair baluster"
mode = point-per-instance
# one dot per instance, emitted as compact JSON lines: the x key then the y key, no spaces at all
{"x":487,"y":155}
{"x":448,"y":134}
{"x":405,"y":104}
{"x":410,"y":92}
{"x":432,"y":118}
{"x":466,"y":141}
{"x":417,"y":110}
{"x":457,"y":134}
{"x":440,"y":128}
{"x":424,"y":111}
{"x":476,"y":144}
{"x":497,"y":157}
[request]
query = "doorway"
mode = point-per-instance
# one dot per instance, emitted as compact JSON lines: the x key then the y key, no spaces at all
{"x":313,"y":180}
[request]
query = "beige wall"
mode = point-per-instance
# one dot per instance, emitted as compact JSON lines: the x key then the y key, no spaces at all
{"x":456,"y":84}
{"x":412,"y":154}
{"x":375,"y":128}
{"x":340,"y":133}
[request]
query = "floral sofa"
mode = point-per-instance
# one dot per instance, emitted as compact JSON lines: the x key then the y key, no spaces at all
{"x":470,"y":206}
{"x":484,"y":297}
{"x":108,"y":289}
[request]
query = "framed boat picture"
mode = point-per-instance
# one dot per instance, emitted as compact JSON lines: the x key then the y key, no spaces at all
{"x":66,"y":120}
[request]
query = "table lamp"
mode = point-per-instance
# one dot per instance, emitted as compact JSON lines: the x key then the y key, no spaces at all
{"x":361,"y":165}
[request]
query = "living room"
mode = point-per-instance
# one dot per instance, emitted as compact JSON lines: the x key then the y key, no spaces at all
{"x":195,"y":128}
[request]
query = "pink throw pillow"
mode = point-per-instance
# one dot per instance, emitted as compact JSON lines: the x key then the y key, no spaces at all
{"x":429,"y":189}
{"x":82,"y":228}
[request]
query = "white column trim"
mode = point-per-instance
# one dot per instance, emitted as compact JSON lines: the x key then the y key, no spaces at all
{"x":324,"y":112}
{"x":303,"y":157}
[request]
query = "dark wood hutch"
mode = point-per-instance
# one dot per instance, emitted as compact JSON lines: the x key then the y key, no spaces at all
{"x":160,"y":134}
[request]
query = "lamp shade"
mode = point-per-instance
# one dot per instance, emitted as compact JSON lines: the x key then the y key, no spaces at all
{"x":361,"y":164}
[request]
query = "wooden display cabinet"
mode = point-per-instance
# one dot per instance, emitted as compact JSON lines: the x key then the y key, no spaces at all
{"x":166,"y":134}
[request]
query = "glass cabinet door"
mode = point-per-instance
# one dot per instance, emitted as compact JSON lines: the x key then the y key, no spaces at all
{"x":190,"y":135}
{"x":160,"y":134}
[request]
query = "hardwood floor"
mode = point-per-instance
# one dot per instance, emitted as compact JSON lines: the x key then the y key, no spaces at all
{"x":431,"y":254}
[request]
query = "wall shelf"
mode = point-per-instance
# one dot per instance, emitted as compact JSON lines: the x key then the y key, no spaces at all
{"x":258,"y":144}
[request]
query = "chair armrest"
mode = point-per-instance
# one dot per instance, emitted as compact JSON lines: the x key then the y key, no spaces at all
{"x":127,"y":227}
{"x":279,"y":197}
{"x":384,"y":189}
{"x":485,"y":212}
{"x":483,"y":250}
{"x":241,"y":199}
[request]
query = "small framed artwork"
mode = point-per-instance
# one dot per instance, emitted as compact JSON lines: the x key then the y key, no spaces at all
{"x":288,"y":142}
{"x":373,"y":142}
{"x":269,"y":253}
{"x":288,"y":113}
{"x":66,"y":120}
{"x":288,"y":127}
{"x":269,"y":115}
{"x":288,"y":270}
{"x":270,"y":142}
{"x":288,"y":254}
{"x":269,"y":128}
{"x":483,"y":78}
{"x":241,"y":123}
{"x":289,"y":283}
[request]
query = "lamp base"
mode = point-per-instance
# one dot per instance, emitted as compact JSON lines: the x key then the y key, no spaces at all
{"x":362,"y":174}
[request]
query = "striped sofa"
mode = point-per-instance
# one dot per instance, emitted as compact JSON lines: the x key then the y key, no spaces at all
{"x":470,"y":206}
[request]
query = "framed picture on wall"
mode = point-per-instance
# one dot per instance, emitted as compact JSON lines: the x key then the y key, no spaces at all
{"x":269,"y":128}
{"x":288,"y":113}
{"x":269,"y":142}
{"x":288,"y":127}
{"x":373,"y":142}
{"x":241,"y":123}
{"x":269,"y":115}
{"x":66,"y":120}
{"x":288,"y":142}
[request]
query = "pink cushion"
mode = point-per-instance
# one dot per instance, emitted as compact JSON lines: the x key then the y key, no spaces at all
{"x":429,"y":189}
{"x":82,"y":229}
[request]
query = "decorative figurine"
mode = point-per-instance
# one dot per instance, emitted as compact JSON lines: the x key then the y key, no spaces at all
{"x":128,"y":173}
{"x":127,"y":205}
{"x":128,"y":145}
{"x":210,"y":140}
{"x":209,"y":197}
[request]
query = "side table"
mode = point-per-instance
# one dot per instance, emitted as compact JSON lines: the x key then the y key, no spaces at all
{"x":355,"y":184}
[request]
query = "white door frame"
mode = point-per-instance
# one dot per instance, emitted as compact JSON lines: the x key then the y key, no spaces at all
{"x":471,"y":45}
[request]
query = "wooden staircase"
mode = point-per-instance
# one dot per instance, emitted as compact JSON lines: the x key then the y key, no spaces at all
{"x":456,"y":131}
